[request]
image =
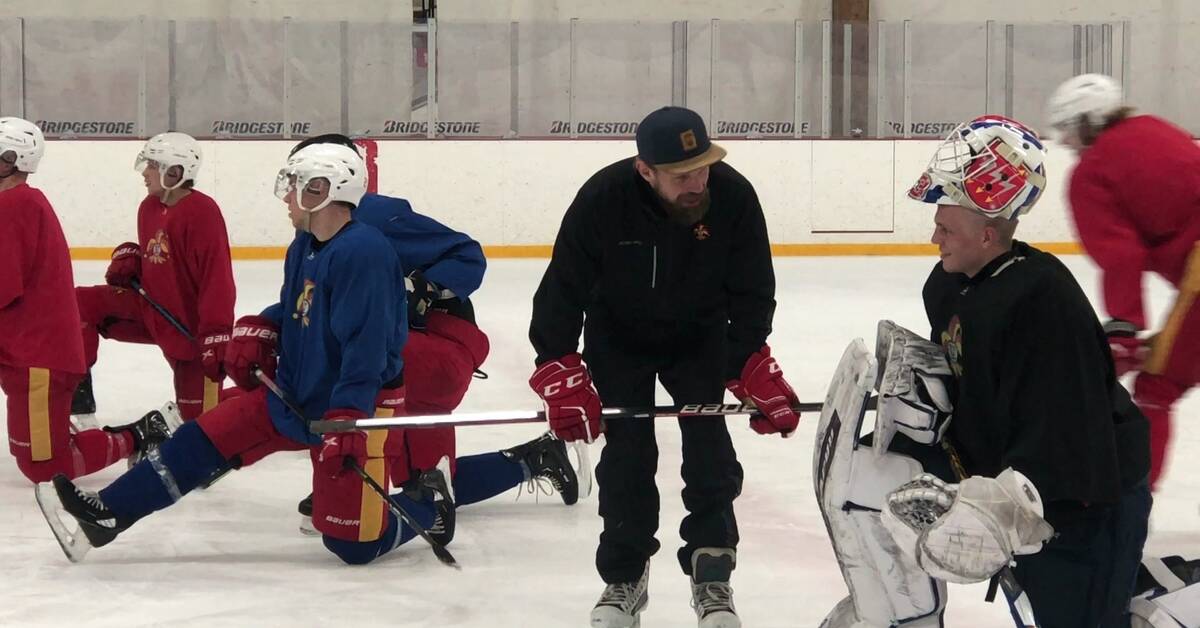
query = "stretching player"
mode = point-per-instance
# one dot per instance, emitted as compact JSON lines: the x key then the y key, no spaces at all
{"x":41,"y":354}
{"x":1135,"y":197}
{"x":183,"y":263}
{"x":339,"y":327}
{"x":443,"y":350}
{"x":1051,"y":447}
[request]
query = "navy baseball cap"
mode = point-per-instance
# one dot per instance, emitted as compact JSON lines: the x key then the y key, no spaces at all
{"x":673,"y":139}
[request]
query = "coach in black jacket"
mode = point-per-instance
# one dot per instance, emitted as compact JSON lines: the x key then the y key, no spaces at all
{"x":663,"y":262}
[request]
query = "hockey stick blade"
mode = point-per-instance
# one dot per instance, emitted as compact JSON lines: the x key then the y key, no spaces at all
{"x":505,"y":417}
{"x":438,"y":549}
{"x":74,"y":544}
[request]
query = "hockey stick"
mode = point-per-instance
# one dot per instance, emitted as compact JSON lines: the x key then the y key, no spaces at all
{"x":1022,"y":610}
{"x":137,"y":285}
{"x":504,"y":417}
{"x":439,"y":550}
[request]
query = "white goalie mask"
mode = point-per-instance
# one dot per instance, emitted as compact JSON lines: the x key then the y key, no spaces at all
{"x":340,"y":165}
{"x":24,"y":140}
{"x":991,"y":165}
{"x":167,"y":150}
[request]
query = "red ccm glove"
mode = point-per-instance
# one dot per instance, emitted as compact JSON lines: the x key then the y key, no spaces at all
{"x":762,"y":383}
{"x":252,"y":344}
{"x":572,"y":405}
{"x":125,"y":265}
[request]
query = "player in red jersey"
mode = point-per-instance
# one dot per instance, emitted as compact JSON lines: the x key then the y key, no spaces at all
{"x":181,"y":260}
{"x":41,"y":355}
{"x":1135,"y":197}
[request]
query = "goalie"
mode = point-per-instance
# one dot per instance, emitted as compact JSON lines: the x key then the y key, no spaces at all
{"x":1054,"y":454}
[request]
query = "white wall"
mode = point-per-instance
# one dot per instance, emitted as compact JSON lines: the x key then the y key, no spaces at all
{"x":184,"y":9}
{"x":554,"y":10}
{"x":515,"y":192}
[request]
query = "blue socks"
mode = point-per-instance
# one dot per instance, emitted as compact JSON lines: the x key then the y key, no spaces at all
{"x":177,"y":467}
{"x":484,"y":476}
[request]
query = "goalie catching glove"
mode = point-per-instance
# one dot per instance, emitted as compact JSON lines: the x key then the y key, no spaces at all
{"x":966,"y":532}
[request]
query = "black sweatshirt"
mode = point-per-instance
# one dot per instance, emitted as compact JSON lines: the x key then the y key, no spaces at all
{"x":1036,"y":387}
{"x":621,"y":261}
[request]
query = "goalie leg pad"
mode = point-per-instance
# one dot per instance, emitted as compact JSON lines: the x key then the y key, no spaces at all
{"x":852,"y":482}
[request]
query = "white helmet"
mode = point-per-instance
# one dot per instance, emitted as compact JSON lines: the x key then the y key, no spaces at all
{"x":23,"y":138}
{"x":992,"y":165}
{"x":340,"y":165}
{"x":168,"y":150}
{"x":1087,"y":97}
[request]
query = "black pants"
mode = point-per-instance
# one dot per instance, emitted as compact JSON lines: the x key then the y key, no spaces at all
{"x":691,"y":371}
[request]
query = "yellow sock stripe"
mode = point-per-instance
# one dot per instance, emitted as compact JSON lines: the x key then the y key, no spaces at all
{"x":370,"y":517}
{"x":39,"y":414}
{"x":212,"y":394}
{"x":542,"y":251}
{"x":1164,"y":342}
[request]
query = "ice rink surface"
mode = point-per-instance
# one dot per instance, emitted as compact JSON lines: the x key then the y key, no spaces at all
{"x":232,"y":556}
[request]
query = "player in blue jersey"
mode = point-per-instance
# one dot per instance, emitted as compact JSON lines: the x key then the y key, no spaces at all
{"x":444,"y":349}
{"x":339,"y":328}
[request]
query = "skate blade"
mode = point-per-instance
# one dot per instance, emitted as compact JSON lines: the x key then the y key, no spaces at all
{"x":583,"y":469}
{"x":443,"y":465}
{"x":74,"y":544}
{"x":306,"y":527}
{"x":170,"y":413}
{"x":84,"y":422}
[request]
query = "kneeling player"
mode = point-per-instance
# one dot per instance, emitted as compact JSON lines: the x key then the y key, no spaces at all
{"x":41,"y":353}
{"x":1042,"y":432}
{"x":341,"y":330}
{"x":444,"y":349}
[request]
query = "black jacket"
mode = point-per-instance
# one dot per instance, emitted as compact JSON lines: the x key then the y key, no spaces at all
{"x":1036,"y":387}
{"x":623,"y":263}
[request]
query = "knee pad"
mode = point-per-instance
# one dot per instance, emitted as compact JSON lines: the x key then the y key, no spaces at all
{"x":852,"y":481}
{"x":353,"y":553}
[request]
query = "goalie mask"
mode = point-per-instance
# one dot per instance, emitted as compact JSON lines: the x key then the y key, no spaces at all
{"x":167,"y":150}
{"x":340,"y":165}
{"x":991,"y":165}
{"x":21,"y":144}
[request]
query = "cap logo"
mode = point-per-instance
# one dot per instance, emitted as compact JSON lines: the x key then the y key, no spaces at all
{"x":688,"y":140}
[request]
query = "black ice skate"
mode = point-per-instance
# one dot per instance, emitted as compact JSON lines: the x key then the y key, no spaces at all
{"x":545,"y":458}
{"x":84,"y":402}
{"x":98,"y":526}
{"x":306,"y":509}
{"x":436,"y":483}
{"x":712,"y":597}
{"x":150,"y":431}
{"x":621,"y":604}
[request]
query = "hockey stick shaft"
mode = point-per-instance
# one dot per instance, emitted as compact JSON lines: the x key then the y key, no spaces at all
{"x":162,"y":311}
{"x":1023,"y":611}
{"x":538,"y":416}
{"x":439,"y":550}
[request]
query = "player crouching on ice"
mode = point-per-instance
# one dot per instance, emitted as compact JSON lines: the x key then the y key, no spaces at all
{"x":1040,"y":480}
{"x":341,"y":327}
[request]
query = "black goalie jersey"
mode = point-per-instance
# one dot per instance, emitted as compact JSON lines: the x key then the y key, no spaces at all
{"x":1036,"y":388}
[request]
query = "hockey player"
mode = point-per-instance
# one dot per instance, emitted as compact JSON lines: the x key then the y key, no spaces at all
{"x":443,"y":350}
{"x":1051,"y":447}
{"x":41,"y":355}
{"x":338,"y":327}
{"x":663,"y":262}
{"x":1135,"y":198}
{"x":181,"y":260}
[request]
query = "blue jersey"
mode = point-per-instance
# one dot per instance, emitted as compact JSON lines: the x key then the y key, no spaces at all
{"x":342,"y":324}
{"x":446,"y":257}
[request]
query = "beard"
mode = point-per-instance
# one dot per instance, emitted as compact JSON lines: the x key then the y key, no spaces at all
{"x":689,"y":213}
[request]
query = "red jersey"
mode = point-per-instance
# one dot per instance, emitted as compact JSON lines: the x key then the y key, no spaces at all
{"x":186,"y":269}
{"x":38,"y":312}
{"x":1135,"y":196}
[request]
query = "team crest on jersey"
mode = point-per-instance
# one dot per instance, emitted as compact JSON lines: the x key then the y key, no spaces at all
{"x":158,"y":250}
{"x":304,"y":302}
{"x":952,"y":345}
{"x":701,"y":232}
